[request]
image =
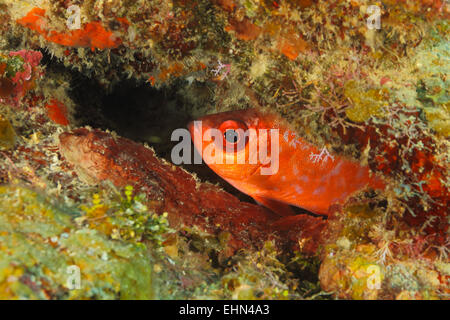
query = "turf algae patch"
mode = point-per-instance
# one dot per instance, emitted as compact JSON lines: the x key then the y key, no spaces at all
{"x":7,"y":134}
{"x":39,"y":243}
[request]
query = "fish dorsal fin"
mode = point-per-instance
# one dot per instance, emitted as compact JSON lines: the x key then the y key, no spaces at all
{"x":278,"y":207}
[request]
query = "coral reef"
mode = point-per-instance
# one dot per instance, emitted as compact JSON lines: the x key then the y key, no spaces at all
{"x":378,"y":94}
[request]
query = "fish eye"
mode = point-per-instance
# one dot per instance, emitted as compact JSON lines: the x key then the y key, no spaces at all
{"x":234,"y":132}
{"x":231,"y":136}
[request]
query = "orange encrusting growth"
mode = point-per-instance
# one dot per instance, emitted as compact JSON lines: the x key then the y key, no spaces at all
{"x":91,"y":35}
{"x":176,"y":69}
{"x":245,"y":30}
{"x":292,"y":45}
{"x":57,"y":112}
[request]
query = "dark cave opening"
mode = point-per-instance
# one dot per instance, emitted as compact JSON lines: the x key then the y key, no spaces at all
{"x":136,"y":111}
{"x":141,"y":113}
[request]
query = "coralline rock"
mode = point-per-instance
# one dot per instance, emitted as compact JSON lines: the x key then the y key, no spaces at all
{"x":101,"y":156}
{"x":380,"y":96}
{"x":19,"y":71}
{"x":364,"y":259}
{"x":151,"y":37}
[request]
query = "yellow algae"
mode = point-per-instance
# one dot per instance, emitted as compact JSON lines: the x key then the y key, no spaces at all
{"x":7,"y":134}
{"x":439,"y":120}
{"x":365,"y":104}
{"x":40,"y":243}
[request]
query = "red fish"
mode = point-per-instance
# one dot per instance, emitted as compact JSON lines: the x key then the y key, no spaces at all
{"x":307,"y":176}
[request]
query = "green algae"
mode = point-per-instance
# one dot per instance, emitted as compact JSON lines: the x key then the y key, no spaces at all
{"x":433,"y":67}
{"x":428,"y":96}
{"x":126,"y":217}
{"x":401,"y":276}
{"x":39,"y":244}
{"x":266,"y":275}
{"x":42,"y":240}
{"x":439,"y":120}
{"x":13,"y":65}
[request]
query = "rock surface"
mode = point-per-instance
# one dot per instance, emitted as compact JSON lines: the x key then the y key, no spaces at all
{"x":380,"y":96}
{"x":103,"y":156}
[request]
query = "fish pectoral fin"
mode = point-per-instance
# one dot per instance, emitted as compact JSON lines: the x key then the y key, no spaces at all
{"x":278,"y":207}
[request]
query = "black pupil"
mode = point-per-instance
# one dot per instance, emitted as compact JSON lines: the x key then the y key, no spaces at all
{"x":231,"y":136}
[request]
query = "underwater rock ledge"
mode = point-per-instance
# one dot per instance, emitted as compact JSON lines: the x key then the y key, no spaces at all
{"x":380,"y":96}
{"x":100,"y":156}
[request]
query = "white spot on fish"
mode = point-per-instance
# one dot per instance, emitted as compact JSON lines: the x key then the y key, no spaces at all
{"x":336,"y":171}
{"x":294,"y":143}
{"x":283,"y":178}
{"x":286,"y":136}
{"x":298,"y":189}
{"x":304,"y":178}
{"x":295,"y":169}
{"x":319,"y":191}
